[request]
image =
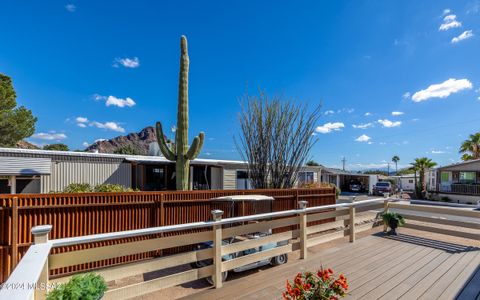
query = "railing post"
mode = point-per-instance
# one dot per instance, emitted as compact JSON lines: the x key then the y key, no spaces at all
{"x":385,"y":210}
{"x":303,"y":229}
{"x":217,"y":249}
{"x":351,"y":225}
{"x":40,"y":236}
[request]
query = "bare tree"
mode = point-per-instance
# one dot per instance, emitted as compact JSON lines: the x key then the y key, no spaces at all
{"x":276,"y":138}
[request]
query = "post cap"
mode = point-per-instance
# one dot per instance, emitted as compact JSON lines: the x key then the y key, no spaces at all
{"x":352,"y":198}
{"x":386,"y":195}
{"x":41,"y":229}
{"x":217,"y":214}
{"x":302,"y":204}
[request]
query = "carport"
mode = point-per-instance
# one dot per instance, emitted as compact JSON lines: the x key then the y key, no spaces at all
{"x":342,"y":179}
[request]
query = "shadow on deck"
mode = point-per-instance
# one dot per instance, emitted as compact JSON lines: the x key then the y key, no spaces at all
{"x":377,"y":267}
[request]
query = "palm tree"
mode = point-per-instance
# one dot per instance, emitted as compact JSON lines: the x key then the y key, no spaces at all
{"x":471,"y":147}
{"x":421,"y":165}
{"x":466,"y":157}
{"x":396,"y":159}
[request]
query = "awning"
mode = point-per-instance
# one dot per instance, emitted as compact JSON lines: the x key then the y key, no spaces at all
{"x":24,"y":166}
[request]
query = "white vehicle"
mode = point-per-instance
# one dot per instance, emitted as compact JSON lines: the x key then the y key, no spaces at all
{"x":260,"y":204}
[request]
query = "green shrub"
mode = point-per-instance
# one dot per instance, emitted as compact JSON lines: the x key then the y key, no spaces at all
{"x":111,"y":188}
{"x":78,"y":188}
{"x":101,"y":188}
{"x":393,"y":215}
{"x":81,"y":287}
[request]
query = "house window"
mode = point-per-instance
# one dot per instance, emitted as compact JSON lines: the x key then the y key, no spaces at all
{"x":243,"y":181}
{"x":410,"y":181}
{"x":467,"y":177}
{"x":305,"y":177}
{"x":445,"y":177}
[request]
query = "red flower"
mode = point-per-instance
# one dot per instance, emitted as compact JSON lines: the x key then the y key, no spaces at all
{"x":307,"y":286}
{"x":330,"y":271}
{"x":297,"y":291}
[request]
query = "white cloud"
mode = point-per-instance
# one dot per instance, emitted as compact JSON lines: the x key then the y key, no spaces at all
{"x":49,"y":136}
{"x":442,"y":90}
{"x":465,"y":35}
{"x":363,"y":126}
{"x":108,"y":125}
{"x":397,"y":113}
{"x":406,"y":95}
{"x":389,"y":124}
{"x":329,"y":127}
{"x":99,"y":140}
{"x":437,"y":152}
{"x":81,"y":120}
{"x":70,"y":7}
{"x":368,"y":114}
{"x":119,"y":102}
{"x":114,"y":101}
{"x":127,"y":62}
{"x":363,"y":138}
{"x":329,"y":112}
{"x":85,"y":144}
{"x":446,"y":11}
{"x":449,"y":21}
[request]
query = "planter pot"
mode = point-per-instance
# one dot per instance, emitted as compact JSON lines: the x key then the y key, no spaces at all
{"x":393,"y":224}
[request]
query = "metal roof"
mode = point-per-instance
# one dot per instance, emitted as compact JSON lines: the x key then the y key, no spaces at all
{"x":460,"y":163}
{"x":131,"y":158}
{"x":343,"y":172}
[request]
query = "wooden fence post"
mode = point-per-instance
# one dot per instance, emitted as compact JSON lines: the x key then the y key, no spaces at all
{"x":14,"y":232}
{"x":217,"y":249}
{"x":40,"y":236}
{"x":352,"y":220}
{"x":303,"y":229}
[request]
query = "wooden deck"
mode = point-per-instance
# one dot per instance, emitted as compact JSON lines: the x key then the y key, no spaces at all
{"x":377,"y":267}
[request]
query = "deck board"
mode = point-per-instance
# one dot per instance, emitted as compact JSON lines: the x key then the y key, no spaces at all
{"x":377,"y":267}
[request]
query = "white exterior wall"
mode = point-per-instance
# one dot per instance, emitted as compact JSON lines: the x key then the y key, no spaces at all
{"x":93,"y":173}
{"x":229,"y":179}
{"x":406,"y":185}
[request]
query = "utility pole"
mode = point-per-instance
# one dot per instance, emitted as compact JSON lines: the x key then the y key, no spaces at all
{"x":343,"y":162}
{"x":388,"y":172}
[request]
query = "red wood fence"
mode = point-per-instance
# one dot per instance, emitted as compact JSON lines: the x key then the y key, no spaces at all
{"x":91,"y":213}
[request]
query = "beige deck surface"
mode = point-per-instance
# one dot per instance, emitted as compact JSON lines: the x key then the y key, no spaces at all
{"x":377,"y":267}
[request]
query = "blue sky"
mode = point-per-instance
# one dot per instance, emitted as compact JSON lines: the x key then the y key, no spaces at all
{"x":394,"y":77}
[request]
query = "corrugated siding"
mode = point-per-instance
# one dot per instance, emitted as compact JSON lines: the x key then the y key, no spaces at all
{"x":229,"y":179}
{"x":93,"y":173}
{"x":24,"y":166}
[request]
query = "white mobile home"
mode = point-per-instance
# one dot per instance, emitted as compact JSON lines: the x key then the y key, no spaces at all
{"x":43,"y":171}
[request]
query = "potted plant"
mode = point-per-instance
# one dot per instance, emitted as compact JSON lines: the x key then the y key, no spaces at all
{"x":322,"y":285}
{"x":393,"y":220}
{"x":81,"y":287}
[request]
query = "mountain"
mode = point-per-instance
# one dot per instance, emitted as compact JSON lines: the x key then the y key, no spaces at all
{"x":139,"y":141}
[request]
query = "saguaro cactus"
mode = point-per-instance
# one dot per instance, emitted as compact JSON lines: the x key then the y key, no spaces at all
{"x":180,"y":152}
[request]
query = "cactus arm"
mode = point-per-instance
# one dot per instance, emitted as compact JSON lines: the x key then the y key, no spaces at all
{"x":196,"y":146}
{"x":163,"y":145}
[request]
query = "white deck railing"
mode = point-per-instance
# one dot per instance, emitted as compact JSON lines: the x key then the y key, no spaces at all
{"x":30,"y":279}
